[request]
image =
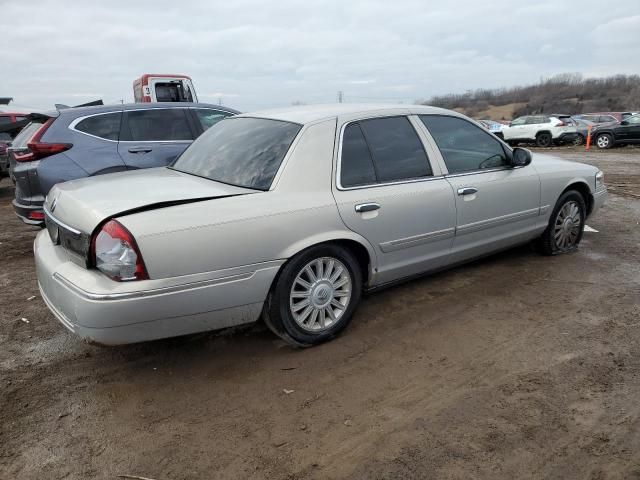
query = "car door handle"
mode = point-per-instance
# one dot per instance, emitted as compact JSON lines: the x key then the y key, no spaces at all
{"x":467,"y":190}
{"x":367,"y":207}
{"x":140,"y":150}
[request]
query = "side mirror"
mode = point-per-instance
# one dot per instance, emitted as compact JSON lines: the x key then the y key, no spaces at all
{"x":521,"y":157}
{"x":624,"y":122}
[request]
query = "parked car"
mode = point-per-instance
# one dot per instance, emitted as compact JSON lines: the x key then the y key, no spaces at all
{"x":599,"y":117}
{"x":10,"y":126}
{"x":494,"y":127}
{"x":544,"y":130}
{"x":625,"y":115}
{"x":613,"y":134}
{"x":583,"y":130}
{"x":291,"y":214}
{"x":83,"y":142}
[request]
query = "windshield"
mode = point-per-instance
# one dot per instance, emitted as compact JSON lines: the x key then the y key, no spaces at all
{"x":245,"y":152}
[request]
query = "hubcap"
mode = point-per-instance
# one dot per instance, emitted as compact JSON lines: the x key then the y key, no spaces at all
{"x":320,"y":294}
{"x":567,"y":226}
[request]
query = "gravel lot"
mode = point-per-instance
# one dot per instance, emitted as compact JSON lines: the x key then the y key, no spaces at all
{"x":516,"y":366}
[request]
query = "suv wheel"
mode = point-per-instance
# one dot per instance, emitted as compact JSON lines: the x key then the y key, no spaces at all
{"x":566,"y":225}
{"x":604,"y":141}
{"x":314,"y":296}
{"x":543,"y":139}
{"x":579,"y":140}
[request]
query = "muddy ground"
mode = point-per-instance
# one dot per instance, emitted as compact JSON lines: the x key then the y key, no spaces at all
{"x":516,"y":366}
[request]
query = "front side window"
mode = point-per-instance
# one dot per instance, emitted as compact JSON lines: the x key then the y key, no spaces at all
{"x":245,"y":152}
{"x":464,"y":146}
{"x":208,"y":117}
{"x":103,"y":126}
{"x":519,"y":121}
{"x":382,"y":150}
{"x":156,"y":124}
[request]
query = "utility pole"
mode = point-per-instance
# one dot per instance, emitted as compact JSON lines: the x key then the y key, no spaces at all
{"x":339,"y":96}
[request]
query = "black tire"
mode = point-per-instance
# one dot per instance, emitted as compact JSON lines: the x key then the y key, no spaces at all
{"x":277,"y":312}
{"x":544,"y":139}
{"x":579,"y":140}
{"x":512,"y":143}
{"x":604,"y":141}
{"x":547,"y":242}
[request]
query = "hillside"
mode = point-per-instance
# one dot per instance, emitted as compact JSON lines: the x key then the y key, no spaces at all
{"x":566,"y":93}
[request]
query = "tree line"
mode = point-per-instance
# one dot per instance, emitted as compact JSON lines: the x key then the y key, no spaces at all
{"x":565,"y":93}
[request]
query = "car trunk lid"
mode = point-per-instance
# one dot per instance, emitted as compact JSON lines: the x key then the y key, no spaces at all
{"x":74,"y":209}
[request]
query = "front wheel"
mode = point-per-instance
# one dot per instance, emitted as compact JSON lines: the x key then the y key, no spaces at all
{"x":579,"y":140}
{"x":314,"y":296}
{"x":566,"y":225}
{"x":604,"y":141}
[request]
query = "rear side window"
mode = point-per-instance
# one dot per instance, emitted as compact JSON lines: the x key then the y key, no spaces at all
{"x":388,"y":146}
{"x":156,"y":125}
{"x":208,"y":117}
{"x":5,"y":120}
{"x":357,"y":164}
{"x":464,"y":146}
{"x":104,"y":126}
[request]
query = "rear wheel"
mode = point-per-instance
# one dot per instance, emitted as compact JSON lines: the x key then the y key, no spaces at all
{"x":566,"y":225}
{"x":314,"y":296}
{"x":543,"y":139}
{"x":579,"y":140}
{"x":604,"y":141}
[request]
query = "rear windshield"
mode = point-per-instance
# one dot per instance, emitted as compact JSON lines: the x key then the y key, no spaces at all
{"x":245,"y":152}
{"x":26,"y":133}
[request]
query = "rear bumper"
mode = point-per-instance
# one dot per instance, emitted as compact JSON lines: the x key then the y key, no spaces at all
{"x":26,"y":212}
{"x":111,"y":313}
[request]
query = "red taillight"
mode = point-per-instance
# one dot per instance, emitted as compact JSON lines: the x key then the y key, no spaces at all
{"x":38,"y":149}
{"x":115,"y":253}
{"x":561,"y":124}
{"x":35,"y":215}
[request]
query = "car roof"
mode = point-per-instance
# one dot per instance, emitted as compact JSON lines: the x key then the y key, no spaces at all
{"x":81,"y":111}
{"x":303,"y":114}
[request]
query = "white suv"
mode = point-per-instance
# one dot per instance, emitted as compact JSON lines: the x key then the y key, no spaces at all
{"x":542,"y":129}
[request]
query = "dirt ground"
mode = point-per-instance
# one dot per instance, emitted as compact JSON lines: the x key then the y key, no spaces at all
{"x":516,"y":366}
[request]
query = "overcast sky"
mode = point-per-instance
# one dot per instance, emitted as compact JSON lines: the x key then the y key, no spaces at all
{"x":256,"y":54}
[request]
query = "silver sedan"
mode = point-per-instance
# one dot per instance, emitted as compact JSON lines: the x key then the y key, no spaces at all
{"x":290,"y":215}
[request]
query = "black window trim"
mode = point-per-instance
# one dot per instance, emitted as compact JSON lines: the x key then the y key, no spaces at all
{"x":381,"y":184}
{"x":507,"y":149}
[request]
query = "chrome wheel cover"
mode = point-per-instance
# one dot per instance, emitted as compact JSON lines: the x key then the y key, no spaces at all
{"x":567,"y":226}
{"x":320,"y":294}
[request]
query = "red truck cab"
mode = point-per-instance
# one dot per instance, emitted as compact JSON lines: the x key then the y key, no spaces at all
{"x":162,"y":87}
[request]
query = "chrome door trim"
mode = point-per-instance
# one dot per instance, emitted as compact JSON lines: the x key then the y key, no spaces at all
{"x":496,"y":221}
{"x":415,"y":240}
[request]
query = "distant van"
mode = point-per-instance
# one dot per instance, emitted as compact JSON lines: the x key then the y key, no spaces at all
{"x":161,"y":87}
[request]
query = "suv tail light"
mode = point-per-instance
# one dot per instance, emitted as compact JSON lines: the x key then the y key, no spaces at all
{"x":37,"y":149}
{"x":562,"y":124}
{"x":115,"y":253}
